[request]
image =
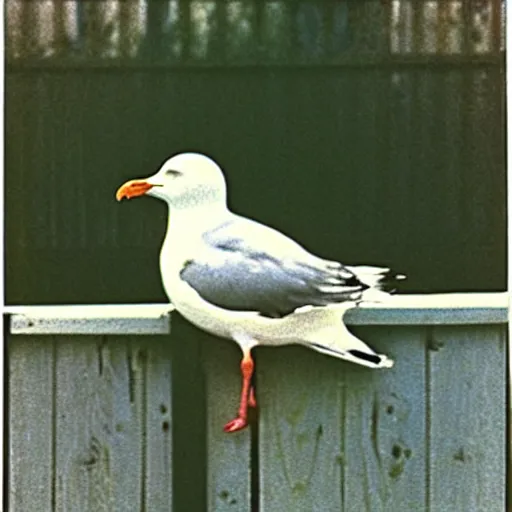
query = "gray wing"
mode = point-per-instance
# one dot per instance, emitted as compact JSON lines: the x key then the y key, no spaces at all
{"x":246,"y":266}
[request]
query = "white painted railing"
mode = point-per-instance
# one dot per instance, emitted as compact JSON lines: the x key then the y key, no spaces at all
{"x":435,"y":309}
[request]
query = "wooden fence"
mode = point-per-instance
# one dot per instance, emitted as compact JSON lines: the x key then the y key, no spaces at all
{"x":90,"y":419}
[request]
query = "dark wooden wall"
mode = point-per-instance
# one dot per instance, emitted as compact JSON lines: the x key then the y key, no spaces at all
{"x":361,"y":150}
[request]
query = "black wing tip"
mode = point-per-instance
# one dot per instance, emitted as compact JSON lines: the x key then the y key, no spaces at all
{"x":390,"y":281}
{"x":372,"y":358}
{"x":355,"y":281}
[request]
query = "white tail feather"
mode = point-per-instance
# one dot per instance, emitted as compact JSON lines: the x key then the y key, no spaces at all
{"x":341,"y":343}
{"x":377,"y":278}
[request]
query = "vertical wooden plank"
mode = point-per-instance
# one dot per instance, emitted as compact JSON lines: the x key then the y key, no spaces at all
{"x":99,"y":425}
{"x":13,"y":12}
{"x":467,"y":401}
{"x":60,"y":38}
{"x":129,"y":28}
{"x":30,"y":28}
{"x":97,"y":29}
{"x":385,"y":425}
{"x":301,"y":427}
{"x":158,"y":484}
{"x":184,"y":28}
{"x":228,"y":455}
{"x":118,"y":387}
{"x":497,"y":25}
{"x":30,"y":402}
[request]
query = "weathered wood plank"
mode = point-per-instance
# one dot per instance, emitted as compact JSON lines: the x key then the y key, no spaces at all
{"x":300,"y":394}
{"x":384,"y":455}
{"x":467,"y":400}
{"x":332,"y":434}
{"x":99,"y":414}
{"x":158,"y":400}
{"x":90,"y":319}
{"x":31,"y":436}
{"x":228,"y":455}
{"x":124,"y":372}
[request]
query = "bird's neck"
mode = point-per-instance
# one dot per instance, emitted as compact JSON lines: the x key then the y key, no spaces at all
{"x":193,"y":221}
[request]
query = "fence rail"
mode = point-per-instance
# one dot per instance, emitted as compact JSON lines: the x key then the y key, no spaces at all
{"x":90,"y":419}
{"x":230,"y":30}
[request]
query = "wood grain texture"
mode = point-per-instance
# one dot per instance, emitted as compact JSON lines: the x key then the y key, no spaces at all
{"x":228,"y":455}
{"x":384,"y":456}
{"x":90,"y":424}
{"x":467,"y":400}
{"x":300,"y":394}
{"x":120,"y":387}
{"x":30,"y":421}
{"x":158,"y":486}
{"x":99,"y":425}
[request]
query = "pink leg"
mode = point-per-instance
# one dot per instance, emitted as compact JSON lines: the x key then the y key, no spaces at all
{"x":247,"y":368}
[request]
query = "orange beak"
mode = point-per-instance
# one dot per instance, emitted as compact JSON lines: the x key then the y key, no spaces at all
{"x":133,"y":188}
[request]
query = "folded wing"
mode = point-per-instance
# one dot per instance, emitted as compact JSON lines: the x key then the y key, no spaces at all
{"x":246,"y":266}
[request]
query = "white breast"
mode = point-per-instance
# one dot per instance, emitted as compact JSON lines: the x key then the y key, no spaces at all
{"x":184,"y":298}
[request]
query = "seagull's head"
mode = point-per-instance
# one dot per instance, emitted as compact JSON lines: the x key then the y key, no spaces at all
{"x":184,"y":180}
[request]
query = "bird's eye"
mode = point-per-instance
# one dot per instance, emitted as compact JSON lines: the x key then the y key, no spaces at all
{"x":172,"y":172}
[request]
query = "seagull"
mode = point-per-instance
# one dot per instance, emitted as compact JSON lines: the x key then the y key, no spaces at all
{"x":238,"y":279}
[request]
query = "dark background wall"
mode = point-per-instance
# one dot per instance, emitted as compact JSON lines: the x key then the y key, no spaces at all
{"x":361,"y":150}
{"x":360,"y":166}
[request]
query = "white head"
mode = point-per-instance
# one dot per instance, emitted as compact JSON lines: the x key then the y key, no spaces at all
{"x":184,"y":181}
